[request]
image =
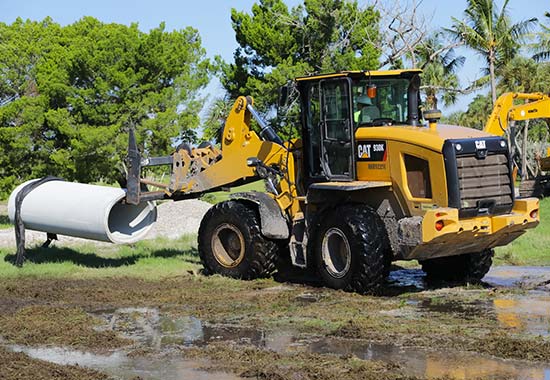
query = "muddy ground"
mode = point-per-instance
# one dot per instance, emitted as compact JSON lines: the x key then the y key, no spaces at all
{"x":197,"y":327}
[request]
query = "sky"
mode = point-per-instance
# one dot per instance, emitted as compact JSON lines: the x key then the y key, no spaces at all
{"x":212,"y":18}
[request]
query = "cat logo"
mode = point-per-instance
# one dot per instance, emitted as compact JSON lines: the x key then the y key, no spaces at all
{"x":363,"y":151}
{"x":371,"y":151}
{"x":480,"y":144}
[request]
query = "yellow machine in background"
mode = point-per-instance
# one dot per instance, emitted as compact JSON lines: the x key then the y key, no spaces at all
{"x":366,"y":183}
{"x":507,"y":111}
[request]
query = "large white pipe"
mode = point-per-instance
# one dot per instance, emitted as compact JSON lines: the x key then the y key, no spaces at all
{"x":85,"y":211}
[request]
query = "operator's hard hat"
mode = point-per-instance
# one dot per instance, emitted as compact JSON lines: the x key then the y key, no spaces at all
{"x":364,"y":99}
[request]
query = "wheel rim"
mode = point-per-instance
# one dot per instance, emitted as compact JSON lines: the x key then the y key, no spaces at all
{"x":228,"y":245}
{"x":336,"y":253}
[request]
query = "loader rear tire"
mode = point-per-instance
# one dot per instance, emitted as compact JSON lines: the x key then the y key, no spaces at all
{"x":230,"y":242}
{"x":350,"y":247}
{"x":469,"y":268}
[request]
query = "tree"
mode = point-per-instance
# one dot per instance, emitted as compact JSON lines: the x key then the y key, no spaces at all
{"x":82,"y":86}
{"x":439,"y":64}
{"x":525,"y":75}
{"x":542,"y":46}
{"x":214,"y":120}
{"x":277,"y":44}
{"x":491,"y":34}
{"x":405,"y":28}
{"x":478,"y":112}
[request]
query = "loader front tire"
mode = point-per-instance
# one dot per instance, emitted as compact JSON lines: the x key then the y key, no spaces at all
{"x":468,"y":268}
{"x":349,"y":249}
{"x":230,"y":242}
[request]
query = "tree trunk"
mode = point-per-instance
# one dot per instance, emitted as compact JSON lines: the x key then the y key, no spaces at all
{"x":492,"y":76}
{"x":524,"y":174}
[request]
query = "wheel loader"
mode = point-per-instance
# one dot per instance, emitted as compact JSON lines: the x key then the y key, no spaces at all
{"x":371,"y":179}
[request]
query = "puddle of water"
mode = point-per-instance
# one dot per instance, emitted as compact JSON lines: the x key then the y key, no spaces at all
{"x":118,"y":365}
{"x":464,"y":309}
{"x":147,"y":326}
{"x":407,"y":278}
{"x":160,"y":332}
{"x":529,"y":313}
{"x":510,"y":276}
{"x":523,"y":313}
{"x":505,"y":276}
{"x":435,"y":363}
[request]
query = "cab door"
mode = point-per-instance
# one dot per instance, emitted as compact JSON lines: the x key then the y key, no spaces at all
{"x":337,"y":147}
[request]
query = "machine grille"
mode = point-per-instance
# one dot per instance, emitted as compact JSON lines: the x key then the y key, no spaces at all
{"x":484,"y":183}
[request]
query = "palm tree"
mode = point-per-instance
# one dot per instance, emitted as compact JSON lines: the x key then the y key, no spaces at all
{"x":439,"y":65}
{"x":542,"y":47}
{"x":491,"y":34}
{"x":214,"y":120}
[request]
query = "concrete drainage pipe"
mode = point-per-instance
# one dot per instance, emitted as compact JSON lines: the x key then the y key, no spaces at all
{"x":84,"y":211}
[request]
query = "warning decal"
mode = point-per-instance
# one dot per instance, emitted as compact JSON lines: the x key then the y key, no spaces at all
{"x":371,"y":151}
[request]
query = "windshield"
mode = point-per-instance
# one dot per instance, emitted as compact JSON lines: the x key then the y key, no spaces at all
{"x":389,"y":106}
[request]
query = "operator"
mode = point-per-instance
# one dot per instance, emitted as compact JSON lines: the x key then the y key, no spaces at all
{"x":366,"y":111}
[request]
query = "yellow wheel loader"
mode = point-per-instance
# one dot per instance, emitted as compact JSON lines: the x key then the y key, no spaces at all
{"x":366,"y":183}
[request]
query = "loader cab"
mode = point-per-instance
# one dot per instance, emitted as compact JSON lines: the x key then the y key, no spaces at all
{"x":335,"y":105}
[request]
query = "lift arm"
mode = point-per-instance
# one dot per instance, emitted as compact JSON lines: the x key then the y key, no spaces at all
{"x":196,"y":171}
{"x":504,"y":111}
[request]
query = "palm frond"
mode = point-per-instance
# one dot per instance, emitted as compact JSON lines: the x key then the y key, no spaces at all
{"x":542,"y":56}
{"x":479,"y":83}
{"x":519,"y":30}
{"x":456,"y":63}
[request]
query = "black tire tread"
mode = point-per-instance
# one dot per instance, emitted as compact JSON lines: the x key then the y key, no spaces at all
{"x":467,"y":268}
{"x":369,"y":241}
{"x":261,"y":253}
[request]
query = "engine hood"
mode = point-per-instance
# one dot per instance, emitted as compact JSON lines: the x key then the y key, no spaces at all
{"x":422,"y":136}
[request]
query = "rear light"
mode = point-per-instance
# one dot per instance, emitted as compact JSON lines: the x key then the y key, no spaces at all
{"x":534,"y":214}
{"x":439,"y":225}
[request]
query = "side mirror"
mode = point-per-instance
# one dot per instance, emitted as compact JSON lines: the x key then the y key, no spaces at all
{"x":283,"y":96}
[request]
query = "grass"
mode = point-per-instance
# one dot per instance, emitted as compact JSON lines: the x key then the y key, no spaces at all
{"x":149,"y":259}
{"x":533,"y":248}
{"x":220,"y":196}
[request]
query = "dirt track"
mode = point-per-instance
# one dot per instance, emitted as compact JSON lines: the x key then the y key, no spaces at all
{"x":277,"y":330}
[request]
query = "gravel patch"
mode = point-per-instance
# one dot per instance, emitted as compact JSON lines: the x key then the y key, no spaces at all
{"x":178,"y":218}
{"x":174,"y":219}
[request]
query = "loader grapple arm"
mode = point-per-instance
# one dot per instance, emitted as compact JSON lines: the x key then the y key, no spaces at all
{"x":196,"y":171}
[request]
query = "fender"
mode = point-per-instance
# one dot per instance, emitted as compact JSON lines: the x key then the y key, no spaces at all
{"x":274,"y":225}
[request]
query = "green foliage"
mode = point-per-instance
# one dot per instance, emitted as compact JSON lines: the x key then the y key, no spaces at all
{"x":278,"y":44}
{"x":79,"y":88}
{"x":476,"y":115}
{"x":542,"y":47}
{"x":490,"y":33}
{"x":524,"y":75}
{"x":518,"y":75}
{"x":439,"y":71}
{"x":215,"y":119}
{"x":452,"y":118}
{"x":531,"y":248}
